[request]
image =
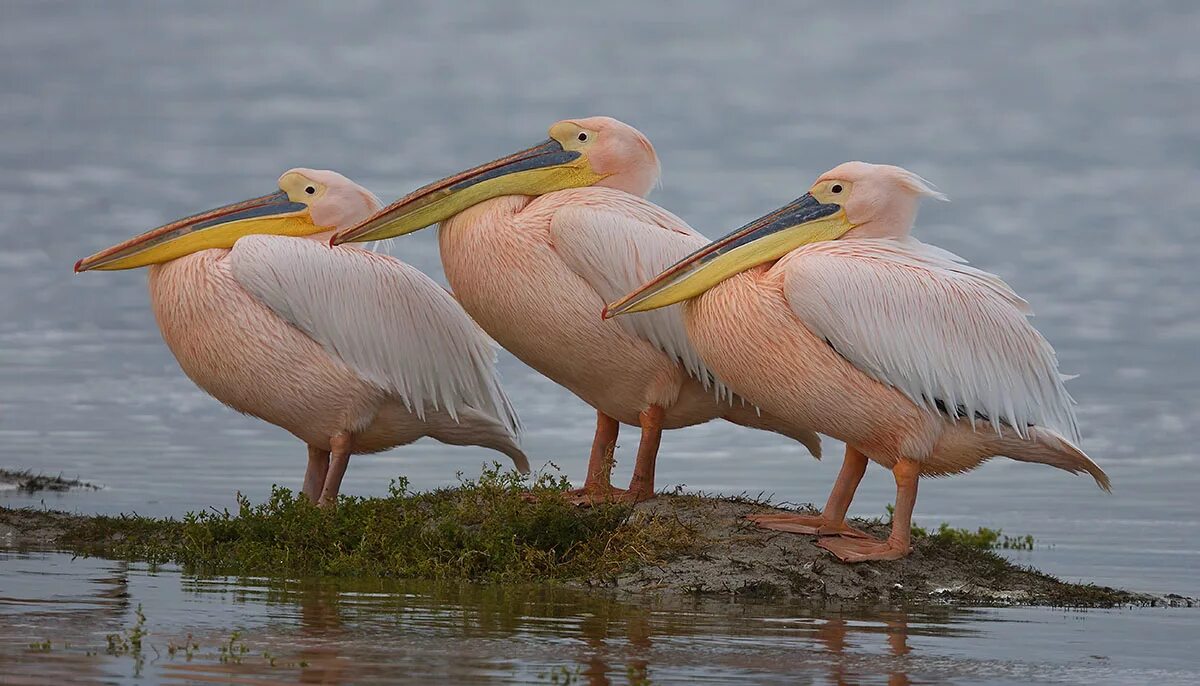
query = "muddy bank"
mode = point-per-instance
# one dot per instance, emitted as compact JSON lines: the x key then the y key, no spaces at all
{"x":675,"y":544}
{"x":29,"y":482}
{"x":732,"y":556}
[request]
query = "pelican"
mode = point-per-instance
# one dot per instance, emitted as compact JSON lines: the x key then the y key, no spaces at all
{"x":828,"y":314}
{"x":536,"y":242}
{"x":349,"y":350}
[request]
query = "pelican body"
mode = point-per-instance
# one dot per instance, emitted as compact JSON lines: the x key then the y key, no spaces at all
{"x":349,"y":350}
{"x":828,"y":314}
{"x":535,"y":243}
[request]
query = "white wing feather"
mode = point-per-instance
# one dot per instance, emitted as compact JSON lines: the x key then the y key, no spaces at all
{"x":917,"y":318}
{"x":391,"y":324}
{"x":618,"y":250}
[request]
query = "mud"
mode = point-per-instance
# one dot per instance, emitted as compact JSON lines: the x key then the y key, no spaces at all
{"x":732,"y":556}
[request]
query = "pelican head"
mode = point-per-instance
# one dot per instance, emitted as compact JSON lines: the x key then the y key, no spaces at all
{"x":854,"y":199}
{"x":597,"y":151}
{"x":309,"y":202}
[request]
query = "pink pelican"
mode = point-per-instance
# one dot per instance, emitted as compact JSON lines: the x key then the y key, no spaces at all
{"x":828,"y":314}
{"x":536,"y":242}
{"x":349,"y":350}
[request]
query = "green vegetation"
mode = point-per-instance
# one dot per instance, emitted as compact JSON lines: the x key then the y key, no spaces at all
{"x":132,"y":642}
{"x":568,"y":676}
{"x":982,"y":538}
{"x":562,"y":675}
{"x":495,"y":528}
{"x":129,"y":642}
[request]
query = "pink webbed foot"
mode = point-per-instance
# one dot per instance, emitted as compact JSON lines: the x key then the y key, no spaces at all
{"x":805,"y":524}
{"x":634,"y":496}
{"x":864,"y":550}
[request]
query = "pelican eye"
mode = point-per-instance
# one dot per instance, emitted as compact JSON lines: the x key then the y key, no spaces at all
{"x":836,"y":188}
{"x":310,"y":190}
{"x":582,"y":136}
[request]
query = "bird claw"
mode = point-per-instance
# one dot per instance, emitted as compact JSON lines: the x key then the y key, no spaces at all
{"x":803,"y":524}
{"x":863,"y":550}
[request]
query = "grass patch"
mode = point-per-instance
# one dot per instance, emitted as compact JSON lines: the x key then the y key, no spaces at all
{"x":983,"y":538}
{"x":483,"y":530}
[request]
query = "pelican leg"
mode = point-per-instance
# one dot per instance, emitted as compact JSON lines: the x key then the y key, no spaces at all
{"x":832,"y":520}
{"x":341,"y":445}
{"x":314,"y":476}
{"x":597,"y":485}
{"x":897,"y":545}
{"x":641,"y":486}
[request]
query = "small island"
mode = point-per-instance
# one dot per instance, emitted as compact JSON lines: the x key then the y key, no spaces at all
{"x":498,"y":529}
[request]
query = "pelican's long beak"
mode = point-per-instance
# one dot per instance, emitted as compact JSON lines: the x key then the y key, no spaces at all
{"x":544,"y":168}
{"x":220,"y":228}
{"x":805,"y":220}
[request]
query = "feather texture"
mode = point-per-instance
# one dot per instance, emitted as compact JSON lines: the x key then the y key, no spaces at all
{"x":391,"y":324}
{"x":615,"y":252}
{"x":950,"y":337}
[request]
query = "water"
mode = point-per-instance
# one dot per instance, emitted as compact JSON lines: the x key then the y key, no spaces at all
{"x":373,"y":632}
{"x":1065,"y":135}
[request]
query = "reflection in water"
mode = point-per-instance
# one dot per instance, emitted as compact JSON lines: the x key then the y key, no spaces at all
{"x":321,"y":624}
{"x":833,"y":636}
{"x":65,"y":602}
{"x":384,"y":631}
{"x":345,"y":628}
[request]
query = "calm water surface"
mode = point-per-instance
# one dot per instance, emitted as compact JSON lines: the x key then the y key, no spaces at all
{"x":382,"y":632}
{"x":1066,"y":135}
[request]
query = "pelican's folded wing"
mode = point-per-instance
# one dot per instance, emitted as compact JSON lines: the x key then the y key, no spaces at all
{"x":616,"y":250}
{"x":387,"y":321}
{"x":950,"y":337}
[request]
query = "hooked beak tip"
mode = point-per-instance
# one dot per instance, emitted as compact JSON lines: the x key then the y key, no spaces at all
{"x":78,"y":265}
{"x":604,"y":314}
